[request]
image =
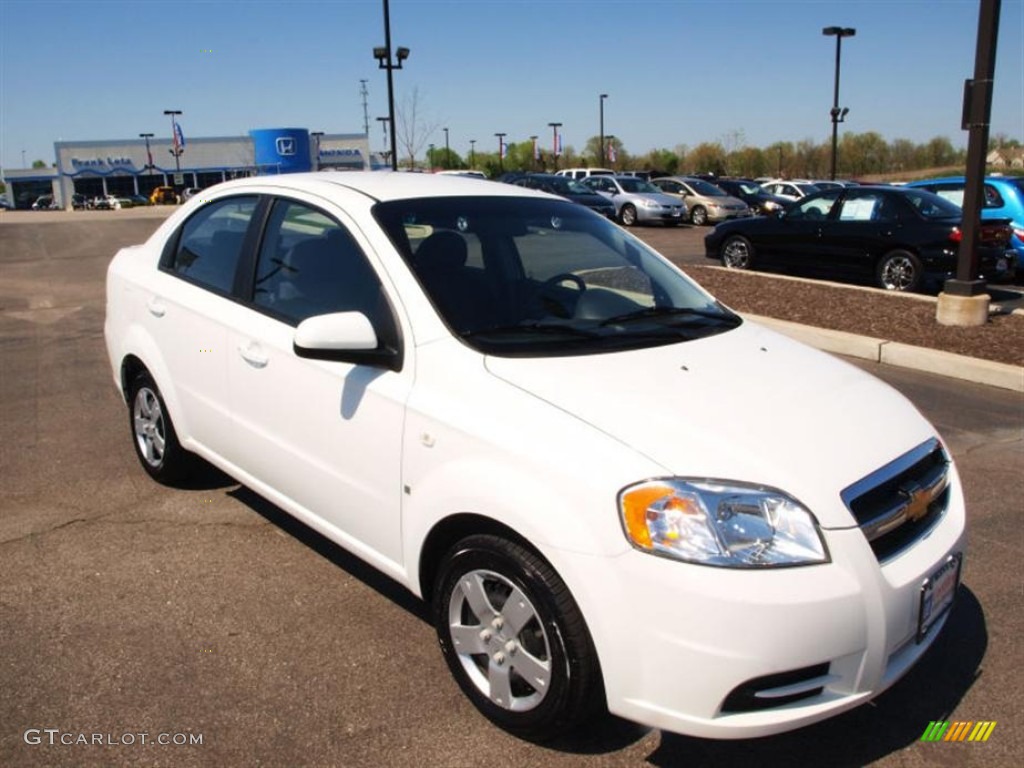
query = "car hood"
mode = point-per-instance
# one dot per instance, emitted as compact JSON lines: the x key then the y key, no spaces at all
{"x":658,"y":197}
{"x":591,"y":198}
{"x":748,"y":405}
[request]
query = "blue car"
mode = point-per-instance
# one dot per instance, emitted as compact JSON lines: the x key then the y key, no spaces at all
{"x":1004,"y":199}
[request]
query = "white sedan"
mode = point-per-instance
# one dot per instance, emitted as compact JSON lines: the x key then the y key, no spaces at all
{"x":612,"y":490}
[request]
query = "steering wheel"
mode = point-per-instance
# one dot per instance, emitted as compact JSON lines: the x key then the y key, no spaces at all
{"x":551,"y":303}
{"x":564,"y":276}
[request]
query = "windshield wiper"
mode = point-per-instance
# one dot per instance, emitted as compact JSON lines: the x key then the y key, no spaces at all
{"x":546,"y":328}
{"x":655,"y":312}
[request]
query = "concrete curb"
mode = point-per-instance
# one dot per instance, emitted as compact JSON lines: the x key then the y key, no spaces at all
{"x":1001,"y":375}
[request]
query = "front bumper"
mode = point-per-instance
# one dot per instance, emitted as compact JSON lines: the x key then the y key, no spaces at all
{"x":677,"y":642}
{"x":720,"y":214}
{"x":662,"y":213}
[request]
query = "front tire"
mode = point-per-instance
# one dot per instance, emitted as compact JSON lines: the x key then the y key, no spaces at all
{"x":156,"y":442}
{"x":698,"y":216}
{"x":514,"y":638}
{"x":900,"y":271}
{"x":737,"y":253}
{"x":628,"y":215}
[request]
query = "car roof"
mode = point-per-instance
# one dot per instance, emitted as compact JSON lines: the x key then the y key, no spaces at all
{"x":381,"y":185}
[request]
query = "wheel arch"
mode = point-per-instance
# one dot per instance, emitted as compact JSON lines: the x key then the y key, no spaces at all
{"x":139,"y":354}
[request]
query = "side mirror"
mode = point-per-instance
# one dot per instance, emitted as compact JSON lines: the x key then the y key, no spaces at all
{"x":346,"y":337}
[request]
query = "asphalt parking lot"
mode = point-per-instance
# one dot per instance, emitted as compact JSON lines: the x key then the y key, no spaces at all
{"x":130,"y":608}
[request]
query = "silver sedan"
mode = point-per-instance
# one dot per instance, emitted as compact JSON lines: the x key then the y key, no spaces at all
{"x":638,"y":201}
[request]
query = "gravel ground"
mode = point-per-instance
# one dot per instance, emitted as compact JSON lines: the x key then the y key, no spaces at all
{"x":868,"y":312}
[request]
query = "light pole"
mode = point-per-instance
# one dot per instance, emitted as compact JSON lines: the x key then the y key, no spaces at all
{"x":472,"y":153}
{"x":383,"y":56}
{"x":501,"y":151}
{"x":600,"y":102}
{"x":175,"y":149}
{"x":838,"y":115}
{"x":554,"y":141}
{"x":316,"y":135}
{"x":533,"y":162}
{"x":149,"y":155}
{"x":447,"y":151}
{"x":430,"y":156}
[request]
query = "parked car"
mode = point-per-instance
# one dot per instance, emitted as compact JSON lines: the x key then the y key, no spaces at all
{"x":44,"y":203}
{"x":1004,"y":199}
{"x":570,"y":189}
{"x":832,"y":183}
{"x":189,"y":192}
{"x":138,"y":200}
{"x":582,"y":173}
{"x":106,"y":203}
{"x":638,"y":201}
{"x":164,"y":196}
{"x":464,"y":172}
{"x":5,"y":206}
{"x":790,"y":190}
{"x":750,"y":192}
{"x":706,"y":202}
{"x":513,"y":408}
{"x":904,"y":237}
{"x":79,"y":201}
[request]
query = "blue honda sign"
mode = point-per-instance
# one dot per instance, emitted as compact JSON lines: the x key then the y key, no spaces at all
{"x":281,"y":150}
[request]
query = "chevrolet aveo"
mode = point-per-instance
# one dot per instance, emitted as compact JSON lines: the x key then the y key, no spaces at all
{"x":612,"y":490}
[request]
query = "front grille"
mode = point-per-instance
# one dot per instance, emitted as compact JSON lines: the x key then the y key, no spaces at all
{"x":776,"y":690}
{"x":897,"y":504}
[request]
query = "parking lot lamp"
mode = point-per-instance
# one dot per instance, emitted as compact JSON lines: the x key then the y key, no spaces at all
{"x":600,"y":136}
{"x":533,"y":150}
{"x":555,"y":149}
{"x":501,"y":151}
{"x":472,"y":153}
{"x":384,"y":61}
{"x":149,"y":155}
{"x":447,"y":150}
{"x":176,"y":149}
{"x":838,"y":115}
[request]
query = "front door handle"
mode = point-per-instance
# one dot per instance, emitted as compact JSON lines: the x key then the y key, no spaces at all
{"x":252,"y":354}
{"x":156,"y":307}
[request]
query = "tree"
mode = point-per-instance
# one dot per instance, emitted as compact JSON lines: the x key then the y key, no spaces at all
{"x":708,"y":157}
{"x":38,"y":163}
{"x":412,"y":126}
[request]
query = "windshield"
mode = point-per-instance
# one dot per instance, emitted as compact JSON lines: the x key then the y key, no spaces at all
{"x":705,"y":188}
{"x":931,"y":206}
{"x":631,"y":184}
{"x":526,"y":277}
{"x":573,"y":186}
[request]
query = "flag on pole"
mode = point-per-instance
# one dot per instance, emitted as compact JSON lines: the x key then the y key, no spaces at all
{"x":179,"y":137}
{"x":502,"y":148}
{"x":558,"y":145}
{"x":612,"y":154}
{"x":536,"y":150}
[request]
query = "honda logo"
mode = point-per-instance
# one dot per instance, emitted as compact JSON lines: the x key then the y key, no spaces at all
{"x":285,"y":146}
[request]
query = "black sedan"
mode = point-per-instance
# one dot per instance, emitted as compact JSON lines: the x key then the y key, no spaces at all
{"x":902,"y":236}
{"x":568,"y":188}
{"x":751,"y":193}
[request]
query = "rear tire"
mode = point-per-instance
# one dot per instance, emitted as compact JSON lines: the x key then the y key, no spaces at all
{"x":514,"y":638}
{"x":900,"y":271}
{"x":156,"y":442}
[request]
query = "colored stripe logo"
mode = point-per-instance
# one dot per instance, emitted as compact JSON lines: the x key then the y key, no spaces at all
{"x":960,"y":730}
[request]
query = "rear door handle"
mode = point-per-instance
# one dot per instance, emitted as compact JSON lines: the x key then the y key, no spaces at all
{"x":253,"y":355}
{"x":156,"y":307}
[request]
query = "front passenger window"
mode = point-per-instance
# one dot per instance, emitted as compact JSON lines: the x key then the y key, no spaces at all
{"x":310,"y":265}
{"x":211,"y":243}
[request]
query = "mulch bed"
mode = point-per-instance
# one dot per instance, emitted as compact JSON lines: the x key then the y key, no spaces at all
{"x":870,"y":312}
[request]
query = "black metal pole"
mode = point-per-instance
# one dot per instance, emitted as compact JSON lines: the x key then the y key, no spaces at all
{"x":976,"y":118}
{"x":600,"y":137}
{"x":835,"y":109}
{"x":391,"y":86}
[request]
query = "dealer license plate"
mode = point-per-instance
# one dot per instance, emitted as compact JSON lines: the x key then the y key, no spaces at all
{"x":937,"y":594}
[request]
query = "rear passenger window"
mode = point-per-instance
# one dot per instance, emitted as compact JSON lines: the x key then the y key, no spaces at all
{"x":211,"y":243}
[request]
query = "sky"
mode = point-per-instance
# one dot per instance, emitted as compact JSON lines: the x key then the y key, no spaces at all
{"x":677,"y":72}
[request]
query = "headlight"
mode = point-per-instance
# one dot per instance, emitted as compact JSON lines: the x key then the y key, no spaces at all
{"x":650,"y":203}
{"x":721,"y":523}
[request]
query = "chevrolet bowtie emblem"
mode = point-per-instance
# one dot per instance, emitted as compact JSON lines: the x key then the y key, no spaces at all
{"x":917,"y":500}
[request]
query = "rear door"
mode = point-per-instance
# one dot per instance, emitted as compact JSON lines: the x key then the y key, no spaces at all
{"x":864,"y":225}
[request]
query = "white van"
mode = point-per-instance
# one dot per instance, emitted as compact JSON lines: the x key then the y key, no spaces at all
{"x":582,"y":173}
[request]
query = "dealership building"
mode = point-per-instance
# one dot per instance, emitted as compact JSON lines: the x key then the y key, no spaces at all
{"x":126,"y":167}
